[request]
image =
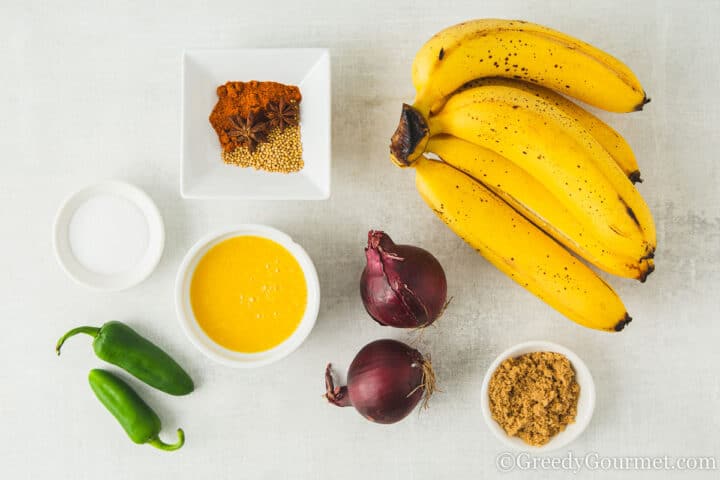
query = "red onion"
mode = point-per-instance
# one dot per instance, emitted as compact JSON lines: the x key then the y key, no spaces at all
{"x":402,"y":286}
{"x":385,"y":382}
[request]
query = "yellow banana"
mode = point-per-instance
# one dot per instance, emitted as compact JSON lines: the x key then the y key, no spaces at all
{"x":555,"y":149}
{"x":606,"y":136}
{"x":531,"y":199}
{"x":518,"y":248}
{"x":526,"y":51}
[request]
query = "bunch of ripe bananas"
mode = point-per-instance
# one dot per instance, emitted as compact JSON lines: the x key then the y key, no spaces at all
{"x":528,"y":178}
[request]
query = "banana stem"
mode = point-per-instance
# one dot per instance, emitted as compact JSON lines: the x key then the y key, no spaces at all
{"x":92,"y":331}
{"x":410,"y":138}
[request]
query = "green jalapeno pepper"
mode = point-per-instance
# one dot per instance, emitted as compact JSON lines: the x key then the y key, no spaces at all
{"x":137,"y":418}
{"x":120,"y":345}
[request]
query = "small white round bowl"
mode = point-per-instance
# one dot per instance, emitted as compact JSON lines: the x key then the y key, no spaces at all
{"x":197,"y":335}
{"x":585,"y":407}
{"x":122,"y":280}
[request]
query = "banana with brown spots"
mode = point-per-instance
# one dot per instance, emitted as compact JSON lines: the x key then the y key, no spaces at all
{"x":525,"y":51}
{"x":518,"y":248}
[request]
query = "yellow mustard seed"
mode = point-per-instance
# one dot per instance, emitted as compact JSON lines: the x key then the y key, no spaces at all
{"x":281,"y":153}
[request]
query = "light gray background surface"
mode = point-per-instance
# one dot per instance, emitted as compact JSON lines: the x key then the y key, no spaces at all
{"x":91,"y":90}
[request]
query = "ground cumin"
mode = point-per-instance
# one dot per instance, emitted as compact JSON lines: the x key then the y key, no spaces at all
{"x":534,"y":396}
{"x":241,"y":99}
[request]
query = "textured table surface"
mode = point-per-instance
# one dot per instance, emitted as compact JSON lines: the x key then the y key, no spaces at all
{"x":90,"y":90}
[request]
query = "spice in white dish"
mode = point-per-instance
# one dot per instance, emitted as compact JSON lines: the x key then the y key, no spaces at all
{"x":108,"y":234}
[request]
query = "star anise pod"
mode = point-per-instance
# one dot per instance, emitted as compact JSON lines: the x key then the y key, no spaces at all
{"x":282,"y":114}
{"x":248,"y":131}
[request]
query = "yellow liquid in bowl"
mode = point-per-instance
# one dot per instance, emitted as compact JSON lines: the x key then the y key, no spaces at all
{"x":248,"y":294}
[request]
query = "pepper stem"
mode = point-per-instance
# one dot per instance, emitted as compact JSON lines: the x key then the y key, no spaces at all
{"x":157,"y":443}
{"x":92,"y":331}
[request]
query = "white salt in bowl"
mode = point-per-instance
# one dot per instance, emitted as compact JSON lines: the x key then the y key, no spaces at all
{"x":109,"y":236}
{"x":585,"y":407}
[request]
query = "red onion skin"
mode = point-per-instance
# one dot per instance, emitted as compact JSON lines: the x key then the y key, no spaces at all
{"x":401,"y":286}
{"x":385,"y":381}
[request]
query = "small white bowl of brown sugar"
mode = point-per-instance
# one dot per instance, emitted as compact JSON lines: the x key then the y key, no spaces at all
{"x":538,"y":396}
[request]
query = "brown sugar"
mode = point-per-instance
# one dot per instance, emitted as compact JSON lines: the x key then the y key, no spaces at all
{"x":534,"y":396}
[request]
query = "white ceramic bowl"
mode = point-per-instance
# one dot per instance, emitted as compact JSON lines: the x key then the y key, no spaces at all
{"x":118,"y":281}
{"x":586,"y":401}
{"x":203,"y":173}
{"x":202,"y":341}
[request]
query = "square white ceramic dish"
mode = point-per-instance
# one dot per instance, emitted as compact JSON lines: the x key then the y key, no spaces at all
{"x":203,"y":173}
